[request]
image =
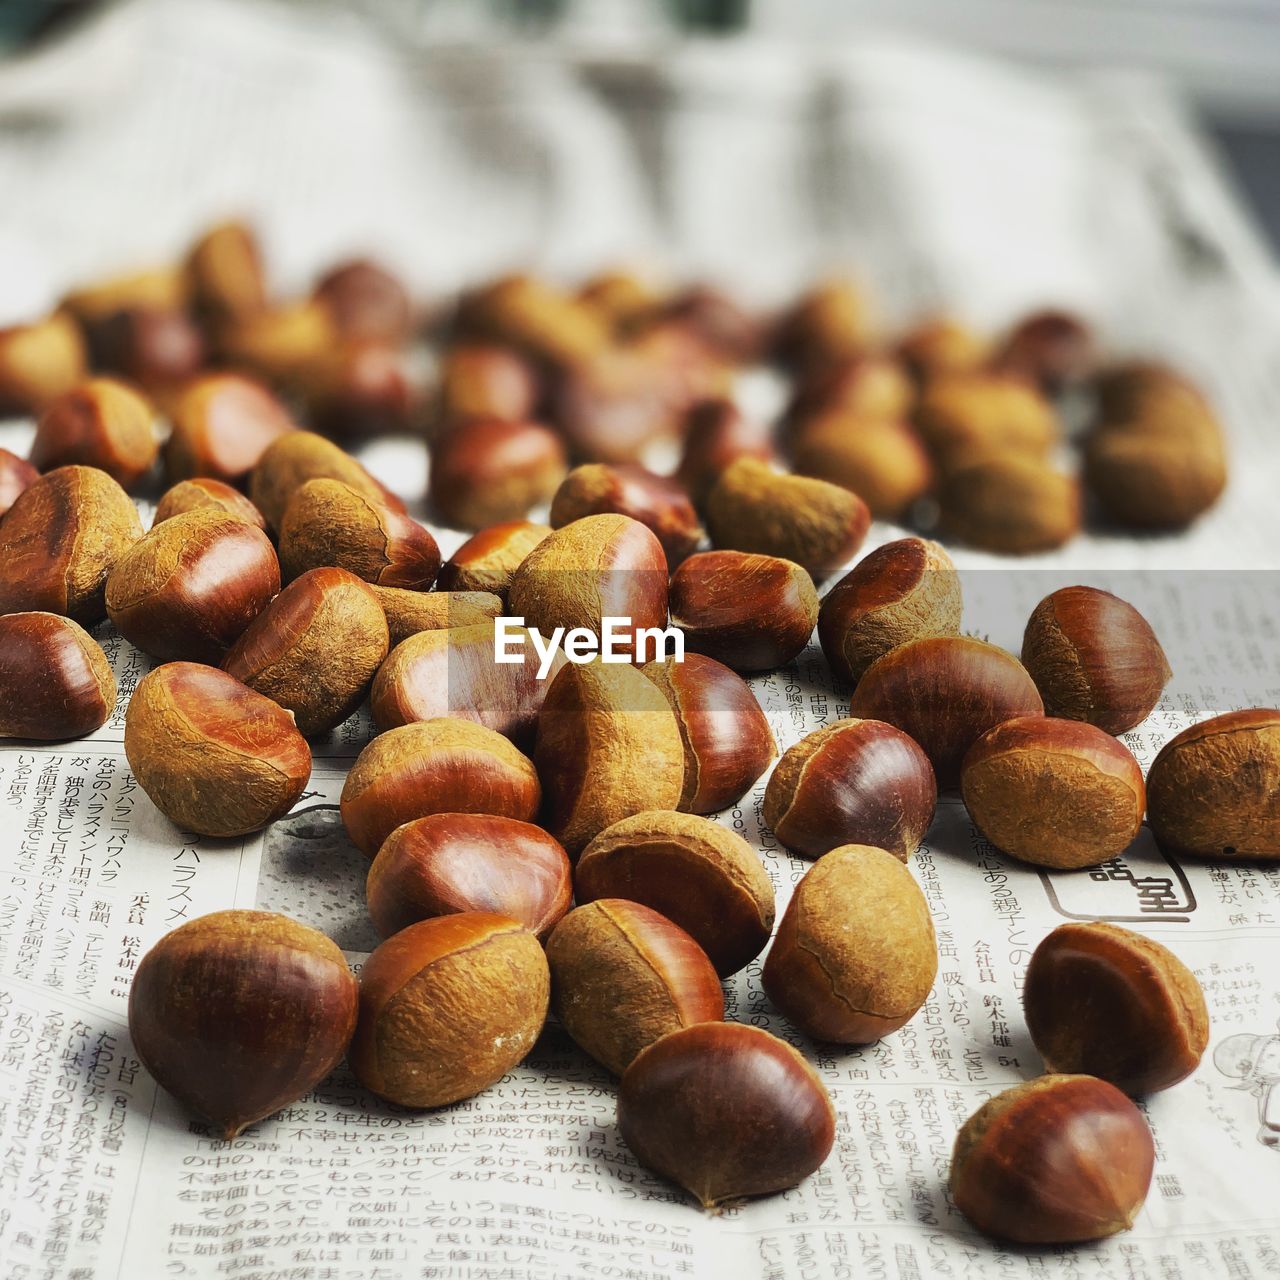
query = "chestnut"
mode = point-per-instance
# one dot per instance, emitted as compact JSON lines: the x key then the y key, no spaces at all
{"x":239,"y":1013}
{"x":1143,"y":479}
{"x":696,"y":873}
{"x":154,"y":347}
{"x":328,"y":522}
{"x":410,"y":612}
{"x":314,"y":649}
{"x":487,"y":561}
{"x":716,"y":433}
{"x":281,"y":344}
{"x":829,"y":322}
{"x":968,"y":415}
{"x":222,"y":425}
{"x":60,"y":539}
{"x":366,"y":302}
{"x":188,"y":495}
{"x":214,"y":757}
{"x":90,"y":305}
{"x":717,"y":320}
{"x":1054,"y":349}
{"x":1011,"y":504}
{"x":621,"y":295}
{"x":727,"y":739}
{"x":450,"y":862}
{"x":596,"y":488}
{"x":38,"y":362}
{"x":102,"y":423}
{"x":852,"y":782}
{"x":1149,"y":394}
{"x":485,"y":470}
{"x":16,"y":474}
{"x":1055,"y":793}
{"x":623,"y":975}
{"x":940,"y":345}
{"x":855,"y":956}
{"x":447,"y":1007}
{"x":751,"y":612}
{"x":434,"y":766}
{"x":1210,"y":791}
{"x":904,"y":590}
{"x":55,"y":681}
{"x":358,"y":389}
{"x":945,"y":692}
{"x":1107,"y":1002}
{"x":190,"y":587}
{"x":225,"y":275}
{"x":1094,"y":657}
{"x":867,"y":387}
{"x":478,"y":380}
{"x":726,"y":1111}
{"x":1058,"y":1160}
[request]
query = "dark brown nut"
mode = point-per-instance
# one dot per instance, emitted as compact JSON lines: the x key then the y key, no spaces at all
{"x":447,"y":1007}
{"x":852,"y":782}
{"x":855,"y":956}
{"x":883,"y":462}
{"x":753,"y":613}
{"x":660,"y":504}
{"x":945,"y":692}
{"x":366,"y":302}
{"x":1053,"y":349}
{"x":1094,"y":657}
{"x":976,"y":414}
{"x":102,"y":423}
{"x":453,"y":671}
{"x":328,"y":522}
{"x":190,"y":587}
{"x":38,"y":362}
{"x":1058,"y":1160}
{"x":191,"y":495}
{"x":483,"y":381}
{"x":727,"y":739}
{"x":904,"y":590}
{"x":359,"y":389}
{"x":409,"y":612}
{"x":60,"y":539}
{"x":598,"y":567}
{"x":282,"y":344}
{"x":698,"y":874}
{"x":1151,"y":395}
{"x":726,"y":1111}
{"x":451,"y":862}
{"x":1013,"y":504}
{"x":160,"y":287}
{"x":623,"y":976}
{"x":940,"y":346}
{"x":215,"y":757}
{"x":718,"y":321}
{"x":435,"y":766}
{"x":314,"y":649}
{"x":487,"y":561}
{"x":829,"y":322}
{"x":1104,"y":1001}
{"x":222,"y":425}
{"x":16,"y":474}
{"x":240,"y":1013}
{"x":1211,"y":790}
{"x":225,"y":274}
{"x":157,"y":348}
{"x":716,"y":433}
{"x":1148,"y":480}
{"x":816,"y":524}
{"x":1055,"y":793}
{"x":486,"y":470}
{"x":298,"y":456}
{"x":866,"y":388}
{"x":608,"y":747}
{"x":55,"y":681}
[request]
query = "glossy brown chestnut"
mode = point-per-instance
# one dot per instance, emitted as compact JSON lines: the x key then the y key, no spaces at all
{"x":434,"y":766}
{"x":362,"y":388}
{"x":1053,"y":349}
{"x":103,"y":424}
{"x":314,"y":649}
{"x":190,"y":587}
{"x":1011,"y":504}
{"x":622,"y":976}
{"x":55,"y":681}
{"x":751,"y":612}
{"x":865,"y":387}
{"x":298,"y":456}
{"x":240,"y":1013}
{"x":40,"y":361}
{"x":726,"y":1111}
{"x":716,"y":319}
{"x":852,"y":782}
{"x":1094,"y":657}
{"x":16,"y":474}
{"x":1107,"y":1002}
{"x":945,"y":692}
{"x":487,"y":561}
{"x":716,"y":433}
{"x":1058,"y":1160}
{"x":190,"y":495}
{"x":485,"y":381}
{"x":696,"y":873}
{"x":215,"y":757}
{"x":222,"y":425}
{"x":281,"y":344}
{"x":409,"y":612}
{"x":366,"y":301}
{"x":154,"y":347}
{"x":225,"y":274}
{"x":450,"y":862}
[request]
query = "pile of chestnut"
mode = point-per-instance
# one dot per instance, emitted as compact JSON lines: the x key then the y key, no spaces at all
{"x":281,"y":585}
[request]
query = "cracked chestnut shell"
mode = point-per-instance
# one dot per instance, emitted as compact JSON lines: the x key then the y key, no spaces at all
{"x":411,"y":612}
{"x":55,"y":681}
{"x":487,"y":561}
{"x":188,"y":495}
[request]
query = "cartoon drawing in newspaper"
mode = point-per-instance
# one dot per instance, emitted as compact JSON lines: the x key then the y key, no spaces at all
{"x":1255,"y":1062}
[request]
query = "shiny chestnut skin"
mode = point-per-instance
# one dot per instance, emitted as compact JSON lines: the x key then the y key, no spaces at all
{"x":225,"y":275}
{"x":449,"y":862}
{"x":728,"y":743}
{"x":1054,"y":349}
{"x":188,"y":495}
{"x":718,"y":320}
{"x":55,"y":681}
{"x":1058,"y":1160}
{"x":1107,"y":1002}
{"x":1094,"y":657}
{"x":298,"y":456}
{"x":214,"y":757}
{"x":16,"y":474}
{"x":38,"y":362}
{"x":751,"y":612}
{"x":487,"y":561}
{"x":623,"y":975}
{"x":190,"y":587}
{"x":852,"y":782}
{"x":945,"y":692}
{"x":716,"y":433}
{"x":156,"y":348}
{"x":222,"y":425}
{"x":478,"y":380}
{"x":362,"y":388}
{"x":240,"y":1013}
{"x":103,"y":424}
{"x":366,"y":301}
{"x":726,"y":1111}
